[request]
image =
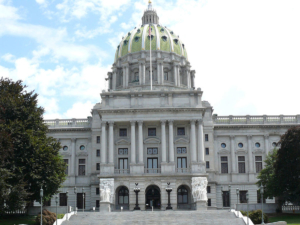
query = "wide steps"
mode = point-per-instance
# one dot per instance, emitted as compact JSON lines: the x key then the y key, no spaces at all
{"x":157,"y":217}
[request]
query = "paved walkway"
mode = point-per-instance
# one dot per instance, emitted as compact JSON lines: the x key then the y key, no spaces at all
{"x":210,"y":217}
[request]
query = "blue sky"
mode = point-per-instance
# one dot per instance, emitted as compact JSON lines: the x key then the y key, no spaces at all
{"x":246,"y":53}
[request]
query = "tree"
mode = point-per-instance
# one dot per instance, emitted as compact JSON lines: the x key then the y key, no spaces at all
{"x":287,"y":166}
{"x":29,"y":159}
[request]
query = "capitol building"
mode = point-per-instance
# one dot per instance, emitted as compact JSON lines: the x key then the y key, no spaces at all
{"x":153,"y":131}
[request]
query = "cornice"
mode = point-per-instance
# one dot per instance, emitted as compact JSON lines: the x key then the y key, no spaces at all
{"x":74,"y":129}
{"x":121,"y":111}
{"x":229,"y":126}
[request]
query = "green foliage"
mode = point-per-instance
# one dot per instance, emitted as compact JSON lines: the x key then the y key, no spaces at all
{"x":255,"y":216}
{"x":28,"y":158}
{"x":48,"y":218}
{"x":60,"y":216}
{"x":287,"y":166}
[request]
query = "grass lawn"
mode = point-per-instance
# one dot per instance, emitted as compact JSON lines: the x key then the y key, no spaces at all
{"x":18,"y":220}
{"x":291,"y":219}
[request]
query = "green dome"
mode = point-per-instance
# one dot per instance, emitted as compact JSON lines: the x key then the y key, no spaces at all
{"x":163,"y":39}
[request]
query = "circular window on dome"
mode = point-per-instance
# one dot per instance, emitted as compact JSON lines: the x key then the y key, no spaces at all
{"x":162,"y":30}
{"x":172,"y":32}
{"x":152,"y":37}
{"x":274,"y":144}
{"x":82,"y":147}
{"x":257,"y":145}
{"x":65,"y":148}
{"x":176,"y":41}
{"x":125,"y":42}
{"x":136,"y":39}
{"x":129,"y":33}
{"x":164,"y":38}
{"x":138,"y":31}
{"x":223,"y":145}
{"x":240,"y":145}
{"x":183,"y":45}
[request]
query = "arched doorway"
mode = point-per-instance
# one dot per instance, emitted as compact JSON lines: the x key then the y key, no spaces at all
{"x":153,"y":197}
{"x":123,"y":198}
{"x":183,"y":197}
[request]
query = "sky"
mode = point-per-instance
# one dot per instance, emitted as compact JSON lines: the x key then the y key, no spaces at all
{"x":246,"y":53}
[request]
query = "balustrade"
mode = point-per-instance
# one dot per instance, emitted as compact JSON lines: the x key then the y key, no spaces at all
{"x":152,"y":170}
{"x":68,"y":123}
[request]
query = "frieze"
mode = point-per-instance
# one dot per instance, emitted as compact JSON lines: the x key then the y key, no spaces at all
{"x":122,"y":142}
{"x":121,"y":111}
{"x":82,"y":154}
{"x":54,"y":130}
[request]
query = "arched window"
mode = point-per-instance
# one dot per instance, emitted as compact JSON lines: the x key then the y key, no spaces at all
{"x":182,"y":195}
{"x":123,"y":196}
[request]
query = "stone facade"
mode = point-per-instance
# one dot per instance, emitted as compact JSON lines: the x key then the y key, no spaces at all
{"x":160,"y":136}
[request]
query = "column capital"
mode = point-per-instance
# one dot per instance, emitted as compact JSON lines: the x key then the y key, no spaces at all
{"x":163,"y":122}
{"x":193,"y":121}
{"x":170,"y":121}
{"x":140,"y":122}
{"x":232,"y":137}
{"x":266,"y":136}
{"x":200,"y":121}
{"x":103,"y":123}
{"x":111,"y":123}
{"x":73,"y":139}
{"x":132,"y":122}
{"x":249,"y":137}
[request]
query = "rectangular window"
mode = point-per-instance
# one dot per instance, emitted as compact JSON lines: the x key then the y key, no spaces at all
{"x":98,"y":153}
{"x":97,"y":203}
{"x":207,"y":164}
{"x":81,"y":167}
{"x":242,"y":166}
{"x":98,"y":166}
{"x":181,"y":162}
{"x":62,"y":199}
{"x":224,"y":164}
{"x":207,"y":151}
{"x":166,"y":75}
{"x":97,"y":191}
{"x":152,"y":151}
{"x":209,"y":202}
{"x":225,"y":198}
{"x":152,"y":164}
{"x":152,"y":132}
{"x":123,"y":132}
{"x":136,"y":77}
{"x":243,"y":198}
{"x":98,"y":139}
{"x":181,"y":150}
{"x":180,"y":131}
{"x":208,"y":189}
{"x":123,"y":151}
{"x":67,"y":168}
{"x":123,"y":164}
{"x":206,"y":137}
{"x":258,"y":163}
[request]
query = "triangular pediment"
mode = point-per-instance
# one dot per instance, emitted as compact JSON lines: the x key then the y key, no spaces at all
{"x":122,"y":142}
{"x":152,"y":141}
{"x":182,"y":140}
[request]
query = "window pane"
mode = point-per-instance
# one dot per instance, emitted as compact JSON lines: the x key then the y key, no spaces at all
{"x":81,"y":161}
{"x":241,"y":158}
{"x":179,"y":162}
{"x":121,"y":164}
{"x":126,"y":201}
{"x":150,"y":163}
{"x":154,"y":163}
{"x":183,"y":162}
{"x":224,"y":159}
{"x":120,"y":199}
{"x":185,"y":199}
{"x":242,"y":167}
{"x":258,"y":166}
{"x":258,"y":158}
{"x":125,"y":163}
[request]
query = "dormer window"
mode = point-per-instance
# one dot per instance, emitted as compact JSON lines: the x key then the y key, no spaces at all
{"x":162,"y":30}
{"x":176,"y":41}
{"x":125,"y":42}
{"x":164,"y":38}
{"x":151,"y":37}
{"x":136,"y":39}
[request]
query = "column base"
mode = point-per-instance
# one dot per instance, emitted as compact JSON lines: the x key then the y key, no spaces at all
{"x":136,"y":208}
{"x":105,"y":206}
{"x":169,"y":208}
{"x":201,"y":205}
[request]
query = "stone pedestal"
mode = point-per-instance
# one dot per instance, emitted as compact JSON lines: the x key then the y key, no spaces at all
{"x":201,"y":205}
{"x":105,"y":207}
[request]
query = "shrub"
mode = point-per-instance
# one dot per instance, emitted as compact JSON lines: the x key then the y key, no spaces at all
{"x":60,"y":216}
{"x":48,"y":218}
{"x":255,"y":216}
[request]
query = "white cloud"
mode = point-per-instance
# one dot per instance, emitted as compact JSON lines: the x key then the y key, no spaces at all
{"x":41,"y":2}
{"x":8,"y":12}
{"x":8,"y":58}
{"x":80,"y":110}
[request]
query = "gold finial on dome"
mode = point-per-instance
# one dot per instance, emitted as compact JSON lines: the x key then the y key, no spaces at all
{"x":150,"y":2}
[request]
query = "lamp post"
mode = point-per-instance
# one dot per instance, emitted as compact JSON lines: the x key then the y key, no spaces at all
{"x":237,"y":196}
{"x":67,"y":195}
{"x":136,"y":191}
{"x":82,"y":199}
{"x":262,"y":204}
{"x":247,"y":198}
{"x":229,"y":189}
{"x":222,"y":197}
{"x":41,"y":195}
{"x":169,"y":190}
{"x":75,"y":192}
{"x":56,"y":201}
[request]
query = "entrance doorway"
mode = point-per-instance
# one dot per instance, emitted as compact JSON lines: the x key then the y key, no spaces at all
{"x":153,"y":197}
{"x":80,"y":201}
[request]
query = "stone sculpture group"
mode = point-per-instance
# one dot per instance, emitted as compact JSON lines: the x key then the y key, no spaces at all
{"x":199,"y":185}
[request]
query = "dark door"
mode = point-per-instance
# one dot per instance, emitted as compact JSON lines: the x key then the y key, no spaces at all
{"x":80,"y":201}
{"x":153,"y":198}
{"x":226,"y":200}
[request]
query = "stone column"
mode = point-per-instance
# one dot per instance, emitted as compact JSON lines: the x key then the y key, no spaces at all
{"x":143,"y":73}
{"x":233,"y":161}
{"x":175,"y":74}
{"x":103,"y":142}
{"x":250,"y":154}
{"x":124,"y":76}
{"x":178,"y":75}
{"x":162,"y":73}
{"x":193,"y":141}
{"x":267,"y":144}
{"x":132,"y":141}
{"x":158,"y":72}
{"x":200,"y":141}
{"x":163,"y":141}
{"x":193,"y":78}
{"x":111,"y":142}
{"x":171,"y":141}
{"x":188,"y":79}
{"x":141,"y":146}
{"x":73,"y":157}
{"x":127,"y":75}
{"x":114,"y":79}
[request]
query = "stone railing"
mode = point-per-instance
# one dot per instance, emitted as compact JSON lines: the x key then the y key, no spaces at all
{"x":281,"y":119}
{"x":290,"y":208}
{"x":182,"y":170}
{"x":69,"y":123}
{"x":118,"y":171}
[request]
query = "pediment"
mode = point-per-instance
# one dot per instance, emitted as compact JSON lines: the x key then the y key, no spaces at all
{"x":152,"y":141}
{"x":182,"y":140}
{"x":122,"y":142}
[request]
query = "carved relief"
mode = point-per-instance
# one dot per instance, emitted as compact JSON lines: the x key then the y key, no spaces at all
{"x":107,"y":190}
{"x":199,"y":185}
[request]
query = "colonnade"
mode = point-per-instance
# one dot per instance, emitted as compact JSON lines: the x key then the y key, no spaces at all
{"x":195,"y":148}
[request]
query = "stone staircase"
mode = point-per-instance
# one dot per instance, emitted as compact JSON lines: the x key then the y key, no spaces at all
{"x":217,"y":217}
